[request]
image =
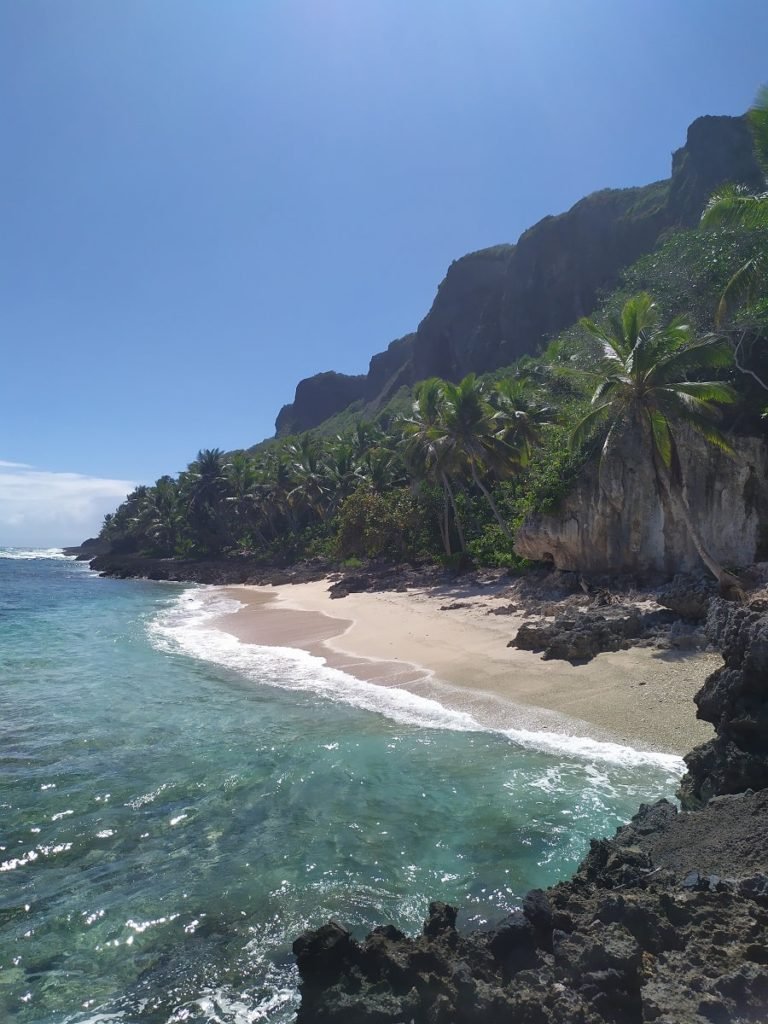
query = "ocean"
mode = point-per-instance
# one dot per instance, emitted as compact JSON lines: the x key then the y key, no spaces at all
{"x":176,"y":807}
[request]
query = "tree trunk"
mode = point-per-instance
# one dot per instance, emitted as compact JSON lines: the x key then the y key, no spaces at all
{"x":676,"y":498}
{"x":459,"y":530}
{"x":491,"y":502}
{"x":445,"y":526}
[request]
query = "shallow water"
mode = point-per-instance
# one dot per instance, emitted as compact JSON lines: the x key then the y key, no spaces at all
{"x":176,"y":807}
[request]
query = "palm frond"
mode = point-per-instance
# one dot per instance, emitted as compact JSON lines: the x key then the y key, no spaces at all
{"x":589,"y":423}
{"x":707,"y":391}
{"x":741,"y":287}
{"x":699,"y":415}
{"x":638,"y":314}
{"x":610,"y":344}
{"x":710,"y":353}
{"x":609,"y":385}
{"x":733,"y":206}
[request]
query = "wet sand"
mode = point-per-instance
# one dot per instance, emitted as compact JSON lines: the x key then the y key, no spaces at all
{"x":458,"y":656}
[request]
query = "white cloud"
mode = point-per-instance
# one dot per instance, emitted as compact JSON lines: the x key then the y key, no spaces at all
{"x":39,"y":508}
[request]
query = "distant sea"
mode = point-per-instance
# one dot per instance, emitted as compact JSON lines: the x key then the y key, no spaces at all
{"x":175,"y":807}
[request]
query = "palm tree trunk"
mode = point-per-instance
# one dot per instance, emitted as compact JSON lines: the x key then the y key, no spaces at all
{"x":677,"y":499}
{"x":457,"y":520}
{"x":491,"y":502}
{"x":443,"y":520}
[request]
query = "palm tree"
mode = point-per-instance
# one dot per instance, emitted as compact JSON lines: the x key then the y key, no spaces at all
{"x":164,"y":519}
{"x":310,"y":489}
{"x":519,"y":414}
{"x":206,"y":486}
{"x":646,"y":387}
{"x":242,"y":501}
{"x":425,"y":449}
{"x":474,"y":437}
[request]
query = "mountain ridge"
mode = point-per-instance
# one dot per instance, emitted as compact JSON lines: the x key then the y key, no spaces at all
{"x":497,"y":304}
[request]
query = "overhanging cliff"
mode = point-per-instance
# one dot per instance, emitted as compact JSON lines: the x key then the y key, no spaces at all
{"x":616,"y":520}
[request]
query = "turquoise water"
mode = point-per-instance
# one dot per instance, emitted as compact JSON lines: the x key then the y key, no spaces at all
{"x":176,"y":807}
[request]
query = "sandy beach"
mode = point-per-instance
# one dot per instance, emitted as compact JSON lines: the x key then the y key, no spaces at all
{"x":446,"y":643}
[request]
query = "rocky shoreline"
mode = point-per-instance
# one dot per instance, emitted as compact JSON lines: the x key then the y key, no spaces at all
{"x":666,"y":922}
{"x":569,"y":616}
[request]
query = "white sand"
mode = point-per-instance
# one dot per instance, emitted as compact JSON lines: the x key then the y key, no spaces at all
{"x":641,"y":698}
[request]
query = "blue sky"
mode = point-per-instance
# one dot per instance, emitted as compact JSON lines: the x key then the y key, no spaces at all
{"x":202,"y":202}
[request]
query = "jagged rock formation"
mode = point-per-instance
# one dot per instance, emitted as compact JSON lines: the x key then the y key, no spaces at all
{"x":580,"y":637}
{"x":616,"y":520}
{"x":735,"y":700}
{"x":502,"y":302}
{"x":666,"y":922}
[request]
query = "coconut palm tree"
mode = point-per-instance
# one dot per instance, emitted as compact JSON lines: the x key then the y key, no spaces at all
{"x":426,"y":452}
{"x":205,"y":487}
{"x":646,"y":387}
{"x":474,"y":438}
{"x":164,"y":517}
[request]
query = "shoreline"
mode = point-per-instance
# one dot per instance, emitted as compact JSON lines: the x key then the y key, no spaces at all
{"x":447,"y":645}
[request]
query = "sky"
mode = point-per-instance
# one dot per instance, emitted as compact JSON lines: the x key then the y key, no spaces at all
{"x":202,"y":201}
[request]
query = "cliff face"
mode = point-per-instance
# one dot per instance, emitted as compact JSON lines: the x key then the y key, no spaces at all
{"x":615,"y":519}
{"x":319,"y":397}
{"x":500,"y":303}
{"x":735,"y":700}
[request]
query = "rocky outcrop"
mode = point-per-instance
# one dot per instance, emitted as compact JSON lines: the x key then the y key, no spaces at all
{"x":579,"y":637}
{"x":616,"y":520}
{"x":499,"y":303}
{"x":217,"y":571}
{"x":88,"y":549}
{"x":735,"y":700}
{"x":666,"y":922}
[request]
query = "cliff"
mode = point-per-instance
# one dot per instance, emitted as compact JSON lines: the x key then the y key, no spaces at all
{"x":502,"y":302}
{"x":615,"y":520}
{"x":666,"y":922}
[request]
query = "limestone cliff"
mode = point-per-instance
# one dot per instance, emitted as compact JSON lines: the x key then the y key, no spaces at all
{"x":615,"y":519}
{"x":502,"y":302}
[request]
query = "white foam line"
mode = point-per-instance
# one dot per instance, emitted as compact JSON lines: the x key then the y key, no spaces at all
{"x":33,"y":554}
{"x":184,"y":627}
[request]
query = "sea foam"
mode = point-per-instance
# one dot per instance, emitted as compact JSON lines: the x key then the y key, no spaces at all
{"x":33,"y":554}
{"x":187,"y":627}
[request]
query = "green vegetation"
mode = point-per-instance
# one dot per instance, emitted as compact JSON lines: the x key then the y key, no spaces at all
{"x":447,"y":471}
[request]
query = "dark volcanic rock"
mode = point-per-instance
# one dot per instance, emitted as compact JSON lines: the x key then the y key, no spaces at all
{"x":578,"y":638}
{"x":688,"y":596}
{"x":219,"y":571}
{"x":666,"y":922}
{"x":735,"y":700}
{"x":89,"y":549}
